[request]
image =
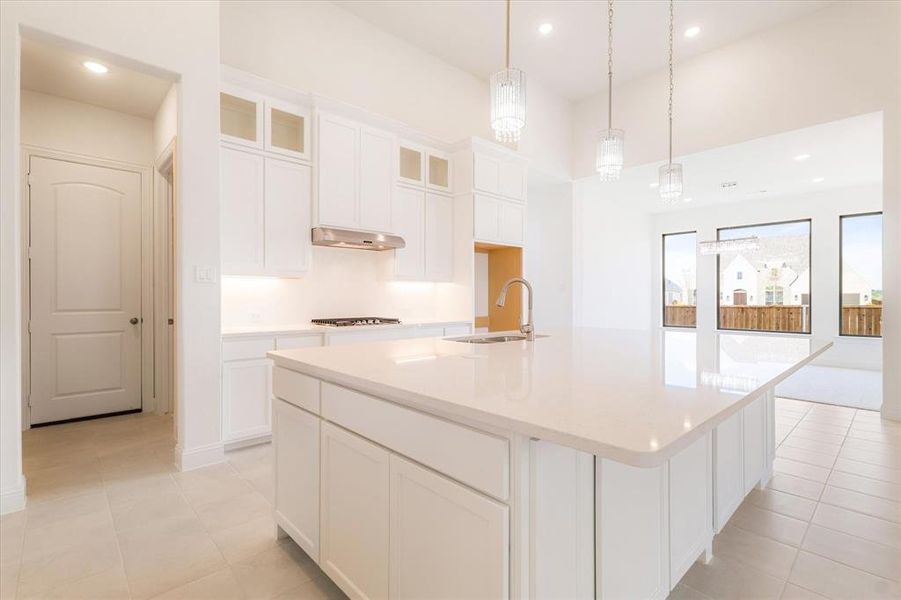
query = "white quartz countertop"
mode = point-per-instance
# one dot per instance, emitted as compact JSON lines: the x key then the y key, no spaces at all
{"x":637,"y":397}
{"x":310,"y":329}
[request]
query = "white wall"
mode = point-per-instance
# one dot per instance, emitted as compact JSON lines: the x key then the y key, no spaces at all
{"x":62,"y":124}
{"x":824,"y":209}
{"x":548,"y":261}
{"x":480,"y":292}
{"x":179,"y":42}
{"x":612,"y":259}
{"x":319,"y":47}
{"x":838,"y":62}
{"x":165,"y":121}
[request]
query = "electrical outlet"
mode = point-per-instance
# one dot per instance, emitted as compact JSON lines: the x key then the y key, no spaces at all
{"x":255,"y":316}
{"x":204,"y":274}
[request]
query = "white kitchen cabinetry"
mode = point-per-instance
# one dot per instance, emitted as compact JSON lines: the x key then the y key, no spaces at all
{"x":419,"y":166}
{"x":297,"y":474}
{"x":242,"y":189}
{"x":439,"y":237}
{"x":355,"y":165}
{"x":354,"y":513}
{"x":498,"y":221}
{"x":287,"y":221}
{"x":499,"y":176}
{"x":445,"y":540}
{"x":409,"y":223}
{"x":439,"y":174}
{"x":241,"y":117}
{"x":246,"y":388}
{"x":287,"y":129}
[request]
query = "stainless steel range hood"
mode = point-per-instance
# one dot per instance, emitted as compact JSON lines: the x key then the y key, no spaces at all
{"x":363,"y":240}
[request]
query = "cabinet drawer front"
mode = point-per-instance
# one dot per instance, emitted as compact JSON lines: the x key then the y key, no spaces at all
{"x":296,"y":388}
{"x":247,"y":348}
{"x":298,"y":341}
{"x":445,"y":539}
{"x":477,"y":459}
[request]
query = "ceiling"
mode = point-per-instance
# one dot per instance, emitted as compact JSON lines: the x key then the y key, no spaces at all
{"x":845,"y":153}
{"x":572,"y":59}
{"x":52,"y":70}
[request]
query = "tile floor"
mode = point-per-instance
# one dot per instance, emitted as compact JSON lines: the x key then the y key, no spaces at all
{"x":108,"y":517}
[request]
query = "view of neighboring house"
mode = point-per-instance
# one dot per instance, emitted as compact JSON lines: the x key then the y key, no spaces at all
{"x":857,"y":290}
{"x":777,"y":273}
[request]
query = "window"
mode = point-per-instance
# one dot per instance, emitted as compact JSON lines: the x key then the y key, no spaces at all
{"x":861,"y":275}
{"x":766,"y":289}
{"x":680,"y":279}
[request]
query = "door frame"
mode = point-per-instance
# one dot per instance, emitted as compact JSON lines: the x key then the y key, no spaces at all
{"x":147,"y":325}
{"x":163,"y":277}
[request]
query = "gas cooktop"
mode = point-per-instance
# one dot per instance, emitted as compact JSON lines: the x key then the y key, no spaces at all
{"x":356,"y":321}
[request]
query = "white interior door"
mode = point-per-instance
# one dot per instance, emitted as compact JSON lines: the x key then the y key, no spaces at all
{"x":85,"y":290}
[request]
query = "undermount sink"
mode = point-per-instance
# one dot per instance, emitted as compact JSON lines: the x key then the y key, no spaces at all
{"x":492,"y":339}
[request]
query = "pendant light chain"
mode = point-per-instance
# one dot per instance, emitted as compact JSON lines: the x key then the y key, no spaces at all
{"x":507,"y":55}
{"x":670,"y":186}
{"x":671,"y":84}
{"x":609,"y":64}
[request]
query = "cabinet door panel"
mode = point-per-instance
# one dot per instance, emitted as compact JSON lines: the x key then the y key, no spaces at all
{"x":439,"y":237}
{"x":512,"y":223}
{"x":446,"y":540}
{"x":376,"y":179}
{"x":487,"y":173}
{"x":512,"y":180}
{"x":690,"y":511}
{"x":729,"y":479}
{"x":242,"y":192}
{"x":354,"y":513}
{"x":246,"y":389}
{"x":409,"y":221}
{"x":287,"y":217}
{"x":486,"y":219}
{"x":754,"y":442}
{"x":287,"y":129}
{"x":297,"y":475}
{"x":337,"y":168}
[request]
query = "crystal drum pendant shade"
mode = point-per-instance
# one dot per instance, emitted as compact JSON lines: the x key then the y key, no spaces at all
{"x":508,"y":104}
{"x":610,"y":154}
{"x":670,"y":182}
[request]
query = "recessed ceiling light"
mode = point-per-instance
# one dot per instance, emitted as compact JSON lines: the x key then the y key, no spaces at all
{"x":95,"y":67}
{"x":692,"y":31}
{"x":686,"y":200}
{"x":545,"y":28}
{"x":817,"y":180}
{"x":801,"y":157}
{"x":655,"y":184}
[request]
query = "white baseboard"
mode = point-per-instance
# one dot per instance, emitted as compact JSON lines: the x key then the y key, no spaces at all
{"x":12,"y":499}
{"x":202,"y":456}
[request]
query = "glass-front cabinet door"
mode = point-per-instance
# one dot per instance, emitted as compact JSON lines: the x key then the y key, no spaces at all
{"x":240,"y":117}
{"x":287,"y":129}
{"x":439,"y":171}
{"x":410,"y":164}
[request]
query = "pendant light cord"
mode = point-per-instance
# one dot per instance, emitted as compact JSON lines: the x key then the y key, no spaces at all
{"x":609,"y":64}
{"x":671,"y":82}
{"x":507,"y":56}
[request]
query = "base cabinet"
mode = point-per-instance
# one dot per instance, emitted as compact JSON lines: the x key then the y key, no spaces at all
{"x":446,"y":541}
{"x":246,"y":388}
{"x":354,"y":513}
{"x":297,"y":474}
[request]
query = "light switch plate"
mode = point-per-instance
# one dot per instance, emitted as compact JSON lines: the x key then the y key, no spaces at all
{"x":204,"y":274}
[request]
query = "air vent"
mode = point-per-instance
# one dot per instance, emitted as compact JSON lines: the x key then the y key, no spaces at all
{"x":726,"y":185}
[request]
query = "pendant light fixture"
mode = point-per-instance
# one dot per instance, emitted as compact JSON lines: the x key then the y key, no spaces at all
{"x":508,"y":97}
{"x":671,"y":173}
{"x":610,"y":143}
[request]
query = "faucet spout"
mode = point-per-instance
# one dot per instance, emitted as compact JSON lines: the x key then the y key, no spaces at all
{"x":527,"y":328}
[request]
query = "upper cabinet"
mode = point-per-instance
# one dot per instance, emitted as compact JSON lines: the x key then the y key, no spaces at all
{"x":354,"y":182}
{"x":241,"y":117}
{"x":423,"y":167}
{"x":287,"y":129}
{"x":500,"y":176}
{"x":251,"y":119}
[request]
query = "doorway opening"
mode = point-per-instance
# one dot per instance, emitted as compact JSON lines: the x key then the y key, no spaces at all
{"x":494,"y":266}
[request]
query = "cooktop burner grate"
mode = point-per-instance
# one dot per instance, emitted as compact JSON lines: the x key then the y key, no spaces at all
{"x":356,"y":321}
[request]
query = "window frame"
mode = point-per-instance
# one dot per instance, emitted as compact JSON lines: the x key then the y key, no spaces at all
{"x":841,"y":270}
{"x":809,"y":222}
{"x":663,"y":278}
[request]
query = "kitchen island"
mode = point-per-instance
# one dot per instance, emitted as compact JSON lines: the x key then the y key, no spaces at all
{"x":588,"y":463}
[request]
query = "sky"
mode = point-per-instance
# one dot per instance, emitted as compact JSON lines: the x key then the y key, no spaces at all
{"x":680,"y":254}
{"x":862,"y":247}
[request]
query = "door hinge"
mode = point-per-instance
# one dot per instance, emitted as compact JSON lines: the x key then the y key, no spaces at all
{"x":28,"y":179}
{"x":29,"y":326}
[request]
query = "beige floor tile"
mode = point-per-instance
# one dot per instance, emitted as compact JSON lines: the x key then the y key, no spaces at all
{"x":782,"y":503}
{"x":873,"y":558}
{"x":9,"y":580}
{"x":815,"y":427}
{"x":165,"y":555}
{"x":866,"y":485}
{"x":211,"y":483}
{"x":762,"y":553}
{"x":819,"y":436}
{"x":769,"y":524}
{"x":727,"y":578}
{"x":56,"y":482}
{"x":838,"y":581}
{"x":874,"y":458}
{"x":106,"y":585}
{"x":151,"y":510}
{"x":828,"y":419}
{"x":683,"y":592}
{"x":810,"y":457}
{"x":322,"y":588}
{"x":858,"y":524}
{"x":52,"y":570}
{"x":275,"y":571}
{"x":793,"y":592}
{"x":802,"y":443}
{"x":50,"y":512}
{"x":12,"y":537}
{"x":790,"y":484}
{"x":889,"y":438}
{"x":128,"y":490}
{"x":800,"y":469}
{"x":220,"y":585}
{"x":870,"y":446}
{"x":233,"y":510}
{"x":65,"y":534}
{"x":868,"y":470}
{"x":243,"y":541}
{"x":864,"y":503}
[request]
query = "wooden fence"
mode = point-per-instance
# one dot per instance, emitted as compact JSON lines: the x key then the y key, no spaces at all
{"x":777,"y":317}
{"x":680,"y":316}
{"x":862,"y":320}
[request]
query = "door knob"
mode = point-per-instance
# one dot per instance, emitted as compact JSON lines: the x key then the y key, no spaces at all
{"x":133,"y":320}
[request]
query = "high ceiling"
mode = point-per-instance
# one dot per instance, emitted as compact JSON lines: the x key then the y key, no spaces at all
{"x":572,"y":59}
{"x":840,"y":154}
{"x":59,"y":72}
